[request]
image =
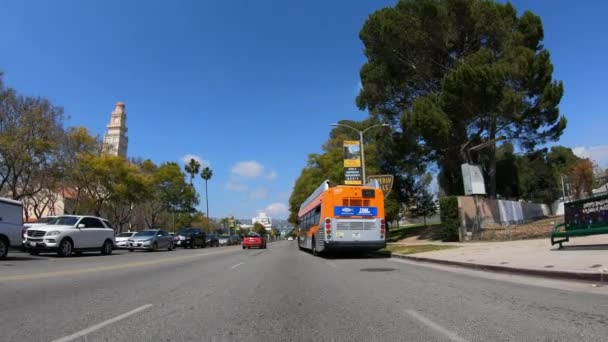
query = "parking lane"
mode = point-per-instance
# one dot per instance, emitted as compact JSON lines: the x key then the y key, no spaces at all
{"x":24,"y":265}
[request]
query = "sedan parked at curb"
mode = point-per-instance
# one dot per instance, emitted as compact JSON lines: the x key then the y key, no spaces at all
{"x":151,"y":240}
{"x":225,"y":240}
{"x":254,"y":240}
{"x":122,"y":239}
{"x":191,"y":237}
{"x":211,"y":240}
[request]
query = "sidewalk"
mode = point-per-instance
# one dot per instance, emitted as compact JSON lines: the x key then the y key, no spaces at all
{"x":583,"y":258}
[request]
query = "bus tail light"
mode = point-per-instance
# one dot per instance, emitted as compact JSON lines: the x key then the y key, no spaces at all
{"x":328,"y":228}
{"x":382,"y":228}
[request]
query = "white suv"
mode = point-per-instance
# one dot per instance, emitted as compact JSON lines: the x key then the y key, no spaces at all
{"x":67,"y":234}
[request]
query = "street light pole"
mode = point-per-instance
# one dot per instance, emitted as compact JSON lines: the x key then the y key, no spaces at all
{"x":362,"y":157}
{"x":361,"y":143}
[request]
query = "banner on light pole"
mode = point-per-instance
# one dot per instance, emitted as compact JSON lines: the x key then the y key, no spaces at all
{"x":352,"y":163}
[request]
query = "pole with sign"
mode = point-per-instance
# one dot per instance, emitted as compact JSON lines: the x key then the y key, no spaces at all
{"x":352,"y":163}
{"x":474,"y":184}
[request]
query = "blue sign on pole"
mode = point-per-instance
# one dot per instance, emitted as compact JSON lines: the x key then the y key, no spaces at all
{"x":355,"y":211}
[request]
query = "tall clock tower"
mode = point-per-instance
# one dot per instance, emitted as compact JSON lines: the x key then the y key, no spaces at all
{"x":115,"y":142}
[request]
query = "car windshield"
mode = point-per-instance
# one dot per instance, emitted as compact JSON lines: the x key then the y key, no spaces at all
{"x":65,"y":220}
{"x":46,"y":220}
{"x":124,"y":235}
{"x":146,"y":233}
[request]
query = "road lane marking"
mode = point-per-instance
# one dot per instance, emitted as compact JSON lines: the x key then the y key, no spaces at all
{"x":438,"y":328}
{"x":102,"y":324}
{"x":237,"y":265}
{"x":106,"y":268}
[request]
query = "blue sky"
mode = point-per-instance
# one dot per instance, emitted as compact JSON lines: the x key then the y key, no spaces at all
{"x":251,"y":87}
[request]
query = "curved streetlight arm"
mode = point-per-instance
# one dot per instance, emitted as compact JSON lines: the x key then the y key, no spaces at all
{"x":362,"y":149}
{"x":374,"y":126}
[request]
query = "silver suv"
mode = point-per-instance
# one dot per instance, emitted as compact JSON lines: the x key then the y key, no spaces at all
{"x":67,"y":234}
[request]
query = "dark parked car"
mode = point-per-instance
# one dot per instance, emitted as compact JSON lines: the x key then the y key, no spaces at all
{"x":212,"y":240}
{"x":191,"y":237}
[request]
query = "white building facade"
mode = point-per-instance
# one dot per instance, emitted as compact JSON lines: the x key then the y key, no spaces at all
{"x":264,"y":220}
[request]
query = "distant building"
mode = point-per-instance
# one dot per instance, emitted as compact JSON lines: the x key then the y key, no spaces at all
{"x":115,"y":142}
{"x":264,"y":220}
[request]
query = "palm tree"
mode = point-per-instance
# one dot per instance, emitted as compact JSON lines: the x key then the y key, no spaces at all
{"x":206,"y":174}
{"x":192,"y":168}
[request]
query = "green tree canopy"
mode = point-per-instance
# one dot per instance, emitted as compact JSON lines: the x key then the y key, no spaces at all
{"x":259,"y":228}
{"x":452,"y":72}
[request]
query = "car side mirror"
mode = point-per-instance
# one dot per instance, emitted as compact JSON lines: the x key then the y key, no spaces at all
{"x":81,"y":225}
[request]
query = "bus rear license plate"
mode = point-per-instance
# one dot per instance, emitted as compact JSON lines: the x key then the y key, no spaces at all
{"x":356,"y":235}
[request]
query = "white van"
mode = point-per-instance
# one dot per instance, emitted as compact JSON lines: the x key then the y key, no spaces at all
{"x":11,"y":225}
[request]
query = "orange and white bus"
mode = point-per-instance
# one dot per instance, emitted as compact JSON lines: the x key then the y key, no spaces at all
{"x":343,"y":217}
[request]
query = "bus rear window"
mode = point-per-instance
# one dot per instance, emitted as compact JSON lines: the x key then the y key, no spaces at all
{"x":368,"y":193}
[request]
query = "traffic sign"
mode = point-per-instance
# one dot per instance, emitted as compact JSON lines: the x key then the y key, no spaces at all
{"x":385,"y":181}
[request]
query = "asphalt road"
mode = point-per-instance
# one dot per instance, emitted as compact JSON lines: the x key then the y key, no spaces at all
{"x":282,"y":294}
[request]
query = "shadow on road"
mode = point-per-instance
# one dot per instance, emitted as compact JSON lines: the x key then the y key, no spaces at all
{"x":22,"y":258}
{"x":356,"y":255}
{"x":599,"y":247}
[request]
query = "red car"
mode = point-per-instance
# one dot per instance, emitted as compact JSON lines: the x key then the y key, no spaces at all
{"x":254,"y":240}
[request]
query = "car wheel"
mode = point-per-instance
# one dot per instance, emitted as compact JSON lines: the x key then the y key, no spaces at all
{"x":3,"y":248}
{"x":244,"y":247}
{"x":154,"y":247}
{"x":65,"y":248}
{"x":106,"y":249}
{"x":170,"y":246}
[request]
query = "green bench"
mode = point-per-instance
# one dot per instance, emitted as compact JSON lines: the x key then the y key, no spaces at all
{"x":582,"y":218}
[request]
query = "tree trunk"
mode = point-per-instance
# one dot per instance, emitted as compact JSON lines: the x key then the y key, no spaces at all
{"x":207,"y":205}
{"x":424,"y":220}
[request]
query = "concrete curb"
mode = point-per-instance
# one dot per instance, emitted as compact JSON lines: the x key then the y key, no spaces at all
{"x":586,"y":276}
